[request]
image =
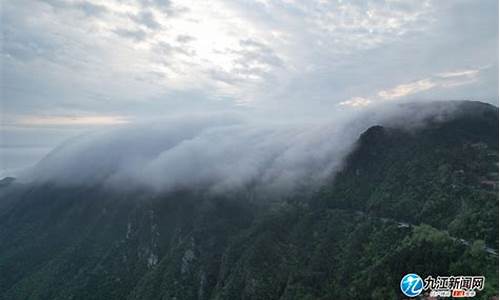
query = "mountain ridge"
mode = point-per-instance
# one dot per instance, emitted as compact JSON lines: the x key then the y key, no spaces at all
{"x":348,"y":240}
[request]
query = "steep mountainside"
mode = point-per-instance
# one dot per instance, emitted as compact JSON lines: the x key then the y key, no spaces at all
{"x":422,"y":200}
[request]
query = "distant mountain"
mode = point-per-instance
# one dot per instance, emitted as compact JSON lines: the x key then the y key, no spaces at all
{"x":421,"y":200}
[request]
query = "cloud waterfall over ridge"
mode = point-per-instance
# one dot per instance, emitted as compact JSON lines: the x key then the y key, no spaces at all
{"x":220,"y":152}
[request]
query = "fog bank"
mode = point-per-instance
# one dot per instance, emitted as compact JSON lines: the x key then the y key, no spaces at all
{"x":221,"y":152}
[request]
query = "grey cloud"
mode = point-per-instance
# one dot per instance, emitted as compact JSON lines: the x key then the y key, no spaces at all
{"x":185,"y":38}
{"x":147,"y":19}
{"x":88,"y":8}
{"x":31,"y":46}
{"x":133,"y":34}
{"x":167,"y":49}
{"x":91,"y":9}
{"x":156,"y":3}
{"x":24,"y":41}
{"x":163,"y":7}
{"x":255,"y":51}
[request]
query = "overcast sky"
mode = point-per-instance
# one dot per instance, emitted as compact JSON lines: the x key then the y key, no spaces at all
{"x":71,"y":65}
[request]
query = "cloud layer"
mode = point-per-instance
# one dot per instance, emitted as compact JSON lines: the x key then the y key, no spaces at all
{"x":139,"y":58}
{"x":221,"y":152}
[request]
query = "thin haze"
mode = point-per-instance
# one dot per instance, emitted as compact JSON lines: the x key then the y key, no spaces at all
{"x":70,"y":66}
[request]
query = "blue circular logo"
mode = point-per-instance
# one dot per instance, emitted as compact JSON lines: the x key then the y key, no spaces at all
{"x":411,"y":285}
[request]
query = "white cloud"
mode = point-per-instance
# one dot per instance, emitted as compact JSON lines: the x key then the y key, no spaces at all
{"x":406,"y":89}
{"x":461,"y":73}
{"x":356,"y":101}
{"x":444,"y":80}
{"x":221,"y":152}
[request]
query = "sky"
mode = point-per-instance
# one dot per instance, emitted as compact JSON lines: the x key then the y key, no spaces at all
{"x":72,"y":66}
